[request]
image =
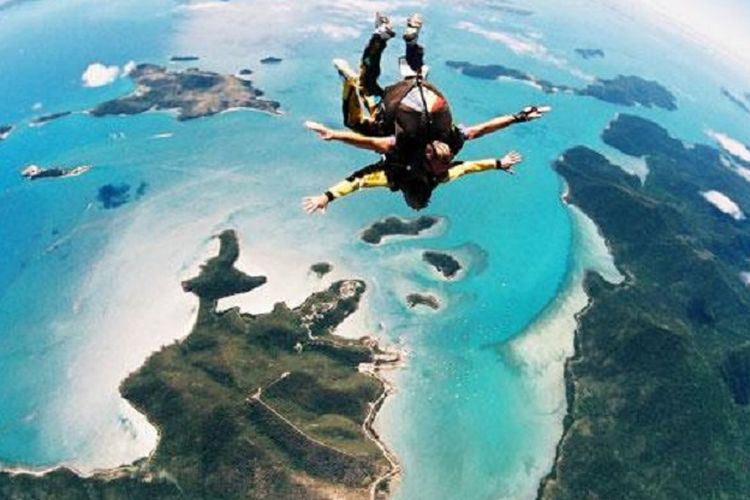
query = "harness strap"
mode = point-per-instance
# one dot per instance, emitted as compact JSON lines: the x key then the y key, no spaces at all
{"x":428,"y":116}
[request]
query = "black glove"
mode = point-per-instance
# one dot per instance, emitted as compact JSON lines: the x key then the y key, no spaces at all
{"x":523,"y":115}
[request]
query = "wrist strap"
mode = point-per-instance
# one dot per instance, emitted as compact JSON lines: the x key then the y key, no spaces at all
{"x":523,"y":115}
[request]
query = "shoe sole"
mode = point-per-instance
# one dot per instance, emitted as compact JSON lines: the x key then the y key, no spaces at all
{"x":345,"y":71}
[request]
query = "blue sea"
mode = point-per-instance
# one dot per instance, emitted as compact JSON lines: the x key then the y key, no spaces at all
{"x":86,"y":293}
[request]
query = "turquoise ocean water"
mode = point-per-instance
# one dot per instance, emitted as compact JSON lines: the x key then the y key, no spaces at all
{"x":86,"y":293}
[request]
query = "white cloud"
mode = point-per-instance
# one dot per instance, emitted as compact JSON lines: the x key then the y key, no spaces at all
{"x":734,"y":148}
{"x":99,"y":75}
{"x":731,"y":146}
{"x":724,"y":203}
{"x":520,"y":46}
{"x":524,"y":46}
{"x":339,"y":32}
{"x":719,"y":28}
{"x":232,"y":32}
{"x":745,"y":277}
{"x":743,"y":172}
{"x":128,"y":68}
{"x":203,"y":5}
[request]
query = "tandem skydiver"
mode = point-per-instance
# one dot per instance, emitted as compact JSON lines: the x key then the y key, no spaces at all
{"x":416,"y":186}
{"x":407,"y":122}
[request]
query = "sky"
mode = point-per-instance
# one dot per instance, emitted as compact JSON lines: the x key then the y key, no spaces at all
{"x":720,"y":27}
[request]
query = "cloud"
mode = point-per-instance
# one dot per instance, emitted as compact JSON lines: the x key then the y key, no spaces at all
{"x":339,"y":32}
{"x":520,"y":46}
{"x":229,"y":31}
{"x":334,"y":31}
{"x":724,"y":204}
{"x":734,"y":148}
{"x":718,"y":28}
{"x":99,"y":75}
{"x":743,"y":172}
{"x":203,"y":5}
{"x":128,"y":68}
{"x":731,"y":146}
{"x":524,"y":46}
{"x":745,"y":277}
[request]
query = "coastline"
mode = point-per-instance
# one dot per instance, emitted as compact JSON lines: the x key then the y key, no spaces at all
{"x":391,"y":359}
{"x":542,"y":351}
{"x":142,"y":469}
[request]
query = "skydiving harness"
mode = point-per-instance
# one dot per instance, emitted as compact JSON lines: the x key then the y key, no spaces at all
{"x":414,"y":123}
{"x":425,"y":111}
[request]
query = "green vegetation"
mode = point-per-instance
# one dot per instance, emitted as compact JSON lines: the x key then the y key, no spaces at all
{"x":590,"y":53}
{"x":419,"y":299}
{"x":267,"y":406}
{"x":321,"y":268}
{"x":393,"y":226}
{"x":444,"y":263}
{"x":5,"y":131}
{"x":193,"y":93}
{"x":736,"y":100}
{"x":659,"y":386}
{"x":623,"y":90}
{"x":631,"y":90}
{"x":50,"y":117}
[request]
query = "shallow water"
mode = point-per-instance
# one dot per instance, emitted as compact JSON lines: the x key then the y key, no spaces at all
{"x":86,"y":293}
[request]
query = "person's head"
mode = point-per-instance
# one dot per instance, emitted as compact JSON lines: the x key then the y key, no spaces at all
{"x":438,"y":151}
{"x":438,"y":155}
{"x":417,"y":192}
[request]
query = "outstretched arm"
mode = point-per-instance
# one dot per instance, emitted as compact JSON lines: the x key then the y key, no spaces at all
{"x":506,"y":164}
{"x":372,"y":179}
{"x":501,"y":122}
{"x":377,"y":144}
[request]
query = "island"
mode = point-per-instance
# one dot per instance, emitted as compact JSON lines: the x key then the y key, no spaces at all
{"x":35,"y":172}
{"x":5,"y":131}
{"x":270,"y":60}
{"x":496,"y":71}
{"x":444,"y":263}
{"x":631,"y":90}
{"x":623,"y":90}
{"x":48,"y":118}
{"x":245,"y":72}
{"x":249,"y":406}
{"x":393,"y":226}
{"x":590,"y":53}
{"x":184,"y":58}
{"x":321,"y":269}
{"x":736,"y":100}
{"x":193,"y":93}
{"x":419,"y":299}
{"x":658,"y":390}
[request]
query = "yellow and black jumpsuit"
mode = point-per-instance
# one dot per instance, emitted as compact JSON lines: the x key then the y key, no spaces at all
{"x":362,"y":95}
{"x":377,"y":176}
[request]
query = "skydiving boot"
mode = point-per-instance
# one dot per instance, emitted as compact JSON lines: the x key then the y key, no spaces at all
{"x":383,"y":27}
{"x":413,"y":25}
